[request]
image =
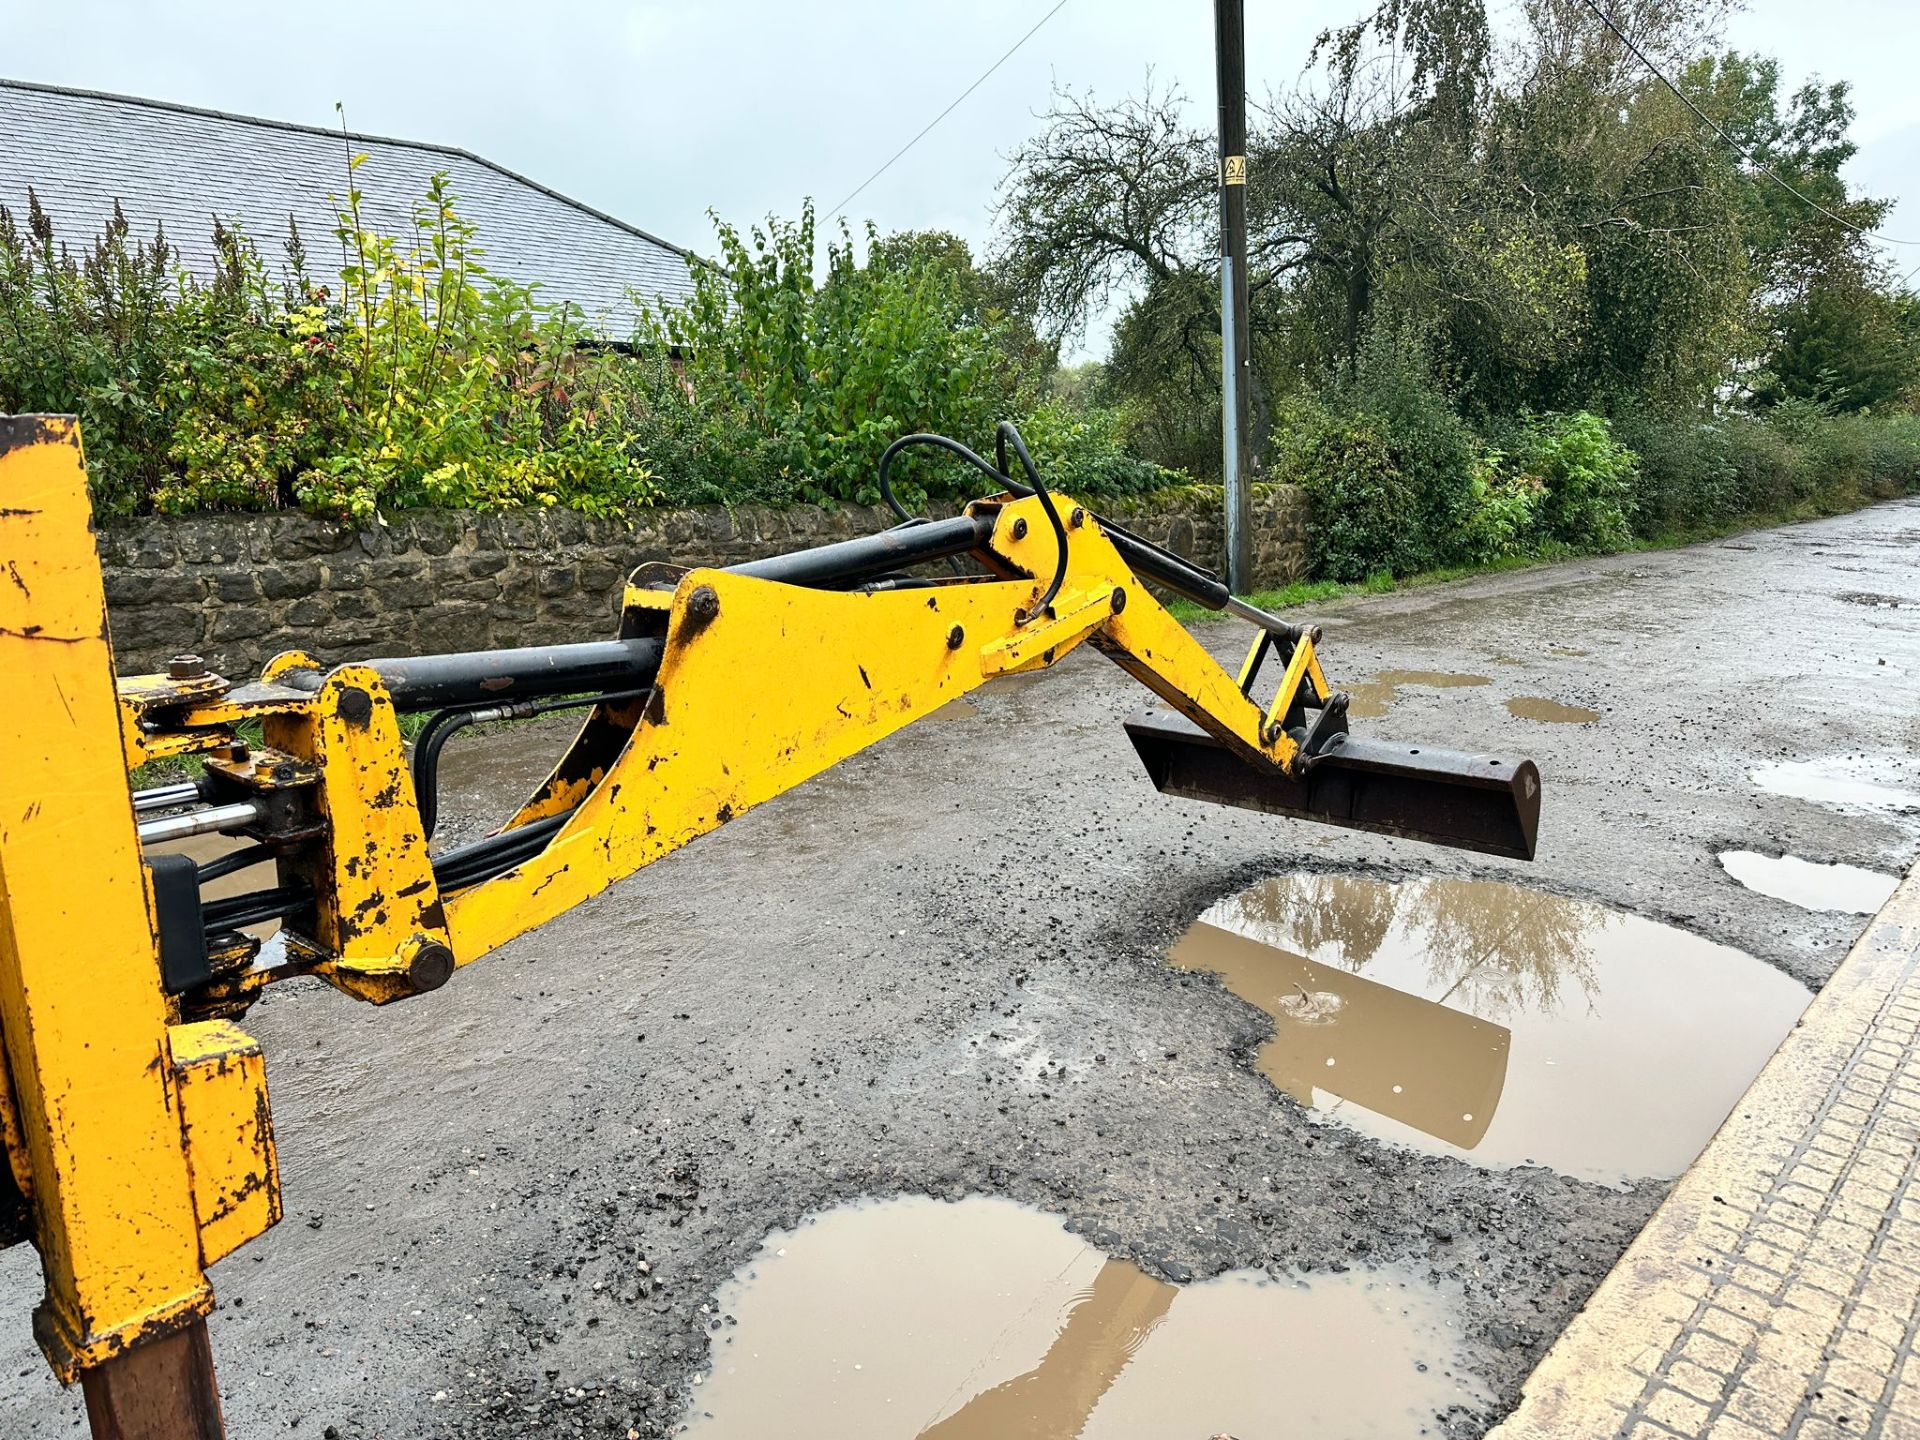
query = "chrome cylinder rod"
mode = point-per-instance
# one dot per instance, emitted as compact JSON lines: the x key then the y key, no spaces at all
{"x":165,"y":797}
{"x":1271,"y":623}
{"x":200,"y":822}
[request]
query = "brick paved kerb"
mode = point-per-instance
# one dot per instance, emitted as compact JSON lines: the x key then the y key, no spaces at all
{"x":1775,"y":1291}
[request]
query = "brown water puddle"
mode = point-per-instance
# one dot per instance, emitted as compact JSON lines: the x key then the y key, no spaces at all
{"x":1554,"y":712}
{"x":1810,"y":885}
{"x":1847,"y":783}
{"x":1497,"y":1024}
{"x":1370,"y":698}
{"x":920,"y":1319}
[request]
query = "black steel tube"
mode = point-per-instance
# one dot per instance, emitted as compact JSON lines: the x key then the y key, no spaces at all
{"x":1150,"y":562}
{"x":233,"y":862}
{"x":847,"y":561}
{"x":439,"y":682}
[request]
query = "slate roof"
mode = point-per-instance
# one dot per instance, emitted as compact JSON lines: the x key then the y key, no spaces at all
{"x":81,"y":150}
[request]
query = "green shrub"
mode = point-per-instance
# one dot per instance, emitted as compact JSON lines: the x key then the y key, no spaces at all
{"x":93,"y":337}
{"x":1893,"y":451}
{"x":1359,"y":496}
{"x":1686,"y":478}
{"x":1767,"y":468}
{"x":830,"y":373}
{"x":1080,"y":453}
{"x":1504,"y":518}
{"x":1587,"y":475}
{"x":1393,"y":388}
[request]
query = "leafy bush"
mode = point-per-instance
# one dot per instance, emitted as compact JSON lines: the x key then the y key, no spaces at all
{"x":1892,"y":451}
{"x":830,"y":373}
{"x":93,"y":337}
{"x":1587,"y":477}
{"x":1359,"y":495}
{"x":1079,"y":452}
{"x":1392,"y":386}
{"x":417,"y":377}
{"x":1686,"y":478}
{"x":1504,"y":516}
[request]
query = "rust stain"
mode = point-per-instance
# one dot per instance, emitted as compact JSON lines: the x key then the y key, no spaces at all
{"x":19,"y":431}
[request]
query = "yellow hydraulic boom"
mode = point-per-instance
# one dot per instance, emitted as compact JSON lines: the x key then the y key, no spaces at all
{"x":138,"y":1135}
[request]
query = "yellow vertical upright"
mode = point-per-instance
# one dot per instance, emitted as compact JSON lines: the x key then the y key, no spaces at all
{"x":81,"y":1008}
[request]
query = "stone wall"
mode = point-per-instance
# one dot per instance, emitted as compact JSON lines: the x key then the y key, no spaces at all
{"x":239,"y":589}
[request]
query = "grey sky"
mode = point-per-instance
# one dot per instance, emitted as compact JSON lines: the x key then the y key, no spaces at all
{"x":658,"y":111}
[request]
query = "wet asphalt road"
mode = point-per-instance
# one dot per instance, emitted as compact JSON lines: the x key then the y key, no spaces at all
{"x":940,"y":969}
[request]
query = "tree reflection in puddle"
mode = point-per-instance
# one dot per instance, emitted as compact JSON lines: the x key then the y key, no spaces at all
{"x":1498,"y":1024}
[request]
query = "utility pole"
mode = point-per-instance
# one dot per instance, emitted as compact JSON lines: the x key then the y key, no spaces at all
{"x":1230,"y":53}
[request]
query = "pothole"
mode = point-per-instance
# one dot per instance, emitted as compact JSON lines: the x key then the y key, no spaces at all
{"x":1494,"y":1023}
{"x":1809,"y":884}
{"x":983,"y":1319}
{"x":1370,"y":698}
{"x":1851,"y":782}
{"x":1872,"y":600}
{"x":1554,"y":712}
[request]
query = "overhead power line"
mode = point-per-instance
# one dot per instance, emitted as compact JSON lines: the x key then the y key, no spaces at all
{"x":1728,"y":140}
{"x":841,"y":207}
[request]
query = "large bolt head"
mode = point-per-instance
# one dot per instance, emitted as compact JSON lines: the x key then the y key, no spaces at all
{"x":186,"y":667}
{"x":429,"y":966}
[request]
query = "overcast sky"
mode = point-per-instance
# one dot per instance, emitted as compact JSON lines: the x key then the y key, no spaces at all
{"x":658,"y":111}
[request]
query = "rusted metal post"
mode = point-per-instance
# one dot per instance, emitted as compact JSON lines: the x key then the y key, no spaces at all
{"x":160,"y":1390}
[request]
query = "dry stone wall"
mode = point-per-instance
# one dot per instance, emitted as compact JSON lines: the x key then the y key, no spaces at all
{"x":239,"y":589}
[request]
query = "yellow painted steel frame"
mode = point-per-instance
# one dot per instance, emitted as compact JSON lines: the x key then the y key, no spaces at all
{"x":782,"y":682}
{"x":144,"y":1147}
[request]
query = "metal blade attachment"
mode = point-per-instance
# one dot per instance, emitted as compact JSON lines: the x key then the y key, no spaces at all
{"x":1444,"y":797}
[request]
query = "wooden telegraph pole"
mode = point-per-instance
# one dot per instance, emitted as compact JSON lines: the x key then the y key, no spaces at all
{"x":1230,"y":52}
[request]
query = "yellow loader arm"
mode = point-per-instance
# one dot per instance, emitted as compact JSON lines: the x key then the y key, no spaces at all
{"x":135,"y":1110}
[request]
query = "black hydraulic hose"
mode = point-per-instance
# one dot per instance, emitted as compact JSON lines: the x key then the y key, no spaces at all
{"x":255,"y":908}
{"x":1145,"y":558}
{"x":1004,"y":433}
{"x":496,"y":854}
{"x":441,"y":728}
{"x":455,"y":870}
{"x":426,"y":763}
{"x":234,"y":860}
{"x":941,"y":442}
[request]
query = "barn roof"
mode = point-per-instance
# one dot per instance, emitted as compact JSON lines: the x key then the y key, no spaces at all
{"x":178,"y":166}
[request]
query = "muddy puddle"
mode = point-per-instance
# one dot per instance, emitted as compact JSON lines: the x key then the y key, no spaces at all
{"x":1856,"y":782}
{"x":1848,"y":889}
{"x":920,"y":1319}
{"x":1553,"y":712}
{"x":1370,"y":698}
{"x":1494,"y":1023}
